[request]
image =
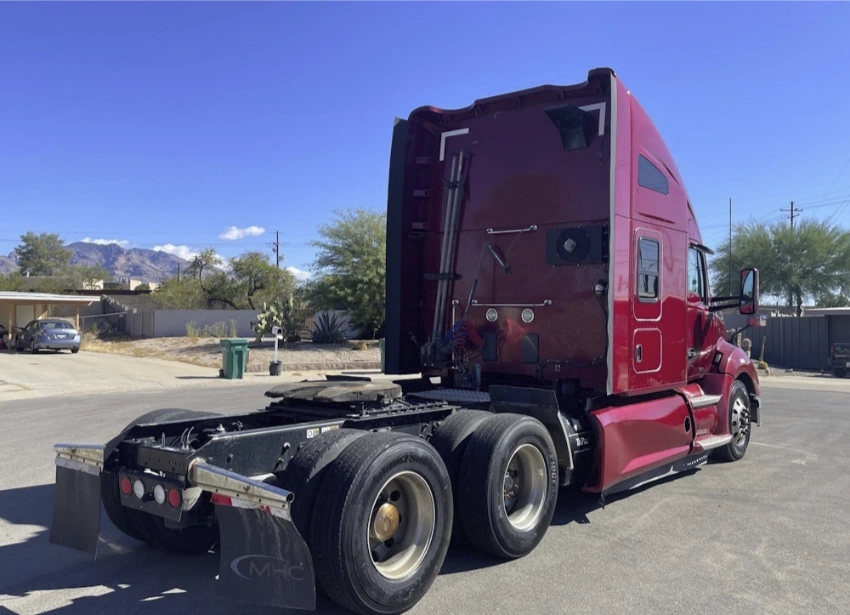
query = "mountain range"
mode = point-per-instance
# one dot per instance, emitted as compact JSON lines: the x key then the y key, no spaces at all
{"x":137,"y":263}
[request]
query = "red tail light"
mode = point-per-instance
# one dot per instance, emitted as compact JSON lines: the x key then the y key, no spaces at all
{"x":126,"y":486}
{"x":174,"y":498}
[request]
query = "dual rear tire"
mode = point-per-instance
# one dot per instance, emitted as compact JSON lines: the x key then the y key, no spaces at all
{"x":504,"y":477}
{"x":379,"y":510}
{"x":380,"y":530}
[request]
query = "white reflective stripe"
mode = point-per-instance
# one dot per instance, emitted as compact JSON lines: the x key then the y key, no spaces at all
{"x":612,"y":244}
{"x":277,"y":512}
{"x":72,"y":464}
{"x":446,"y":135}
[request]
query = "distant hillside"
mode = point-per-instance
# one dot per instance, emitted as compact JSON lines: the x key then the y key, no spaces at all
{"x":136,"y":263}
{"x":8,"y":264}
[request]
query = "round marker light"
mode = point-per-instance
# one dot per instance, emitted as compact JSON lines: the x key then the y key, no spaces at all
{"x":139,"y":489}
{"x":492,"y":315}
{"x":159,"y":494}
{"x":126,"y":486}
{"x":527,"y":315}
{"x":174,"y":499}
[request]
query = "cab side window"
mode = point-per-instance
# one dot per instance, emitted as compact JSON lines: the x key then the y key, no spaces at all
{"x":696,"y":274}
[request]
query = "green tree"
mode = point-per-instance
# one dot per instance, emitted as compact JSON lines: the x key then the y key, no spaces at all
{"x":43,"y":254}
{"x":260,"y":279}
{"x":86,"y":276}
{"x":351,"y":266}
{"x":180,"y":294}
{"x":810,"y":261}
{"x":12,"y":282}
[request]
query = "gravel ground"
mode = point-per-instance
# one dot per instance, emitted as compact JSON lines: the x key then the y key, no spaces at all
{"x":206,"y":352}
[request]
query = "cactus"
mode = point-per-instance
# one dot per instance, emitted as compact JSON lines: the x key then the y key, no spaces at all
{"x":283,"y":313}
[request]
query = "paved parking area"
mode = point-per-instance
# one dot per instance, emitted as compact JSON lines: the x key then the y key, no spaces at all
{"x":767,"y":535}
{"x":46,"y":374}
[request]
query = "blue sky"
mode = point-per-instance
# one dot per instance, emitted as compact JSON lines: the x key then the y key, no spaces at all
{"x":167,"y":124}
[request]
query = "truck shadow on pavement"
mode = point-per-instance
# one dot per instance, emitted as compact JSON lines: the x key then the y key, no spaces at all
{"x":131,"y":577}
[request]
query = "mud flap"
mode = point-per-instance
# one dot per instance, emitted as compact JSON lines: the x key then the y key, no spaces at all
{"x":76,"y":507}
{"x":264,"y":560}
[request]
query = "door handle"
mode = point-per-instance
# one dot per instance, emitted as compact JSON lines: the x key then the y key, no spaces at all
{"x":639,"y":353}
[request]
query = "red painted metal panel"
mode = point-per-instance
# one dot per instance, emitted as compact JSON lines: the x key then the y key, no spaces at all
{"x":646,"y":351}
{"x":520,"y":176}
{"x":639,"y":437}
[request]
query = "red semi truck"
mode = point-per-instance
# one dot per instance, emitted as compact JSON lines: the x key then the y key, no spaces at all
{"x":547,"y":279}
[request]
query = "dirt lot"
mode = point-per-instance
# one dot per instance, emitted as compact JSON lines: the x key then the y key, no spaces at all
{"x":206,"y":352}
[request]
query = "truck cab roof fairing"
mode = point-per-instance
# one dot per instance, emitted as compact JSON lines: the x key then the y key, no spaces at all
{"x":437,"y":119}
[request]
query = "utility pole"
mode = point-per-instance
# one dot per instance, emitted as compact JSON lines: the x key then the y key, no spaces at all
{"x":275,"y":245}
{"x":794,"y":214}
{"x":730,"y":246}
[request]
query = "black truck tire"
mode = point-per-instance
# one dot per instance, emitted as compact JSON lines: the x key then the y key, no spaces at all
{"x":840,"y":372}
{"x":739,"y":424}
{"x":123,"y":518}
{"x":383,"y":523}
{"x":152,"y":529}
{"x":522,"y":446}
{"x":170,"y":414}
{"x":188,"y":540}
{"x":305,"y":473}
{"x":450,"y":440}
{"x":120,"y":516}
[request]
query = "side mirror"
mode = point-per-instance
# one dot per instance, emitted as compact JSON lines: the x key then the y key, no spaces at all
{"x":749,"y":299}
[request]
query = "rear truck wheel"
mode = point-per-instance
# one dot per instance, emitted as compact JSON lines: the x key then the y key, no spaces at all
{"x":306,"y":471}
{"x":840,"y":372}
{"x":739,"y":423}
{"x":450,"y":440}
{"x":383,"y":523}
{"x":149,"y":528}
{"x":508,"y":485}
{"x":190,"y":540}
{"x":121,"y":516}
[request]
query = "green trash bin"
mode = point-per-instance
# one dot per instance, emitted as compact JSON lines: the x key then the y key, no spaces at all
{"x":383,"y":360}
{"x":234,"y":358}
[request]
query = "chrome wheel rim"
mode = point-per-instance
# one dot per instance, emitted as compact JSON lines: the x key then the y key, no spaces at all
{"x":401,"y":525}
{"x":525,"y":487}
{"x":740,"y":421}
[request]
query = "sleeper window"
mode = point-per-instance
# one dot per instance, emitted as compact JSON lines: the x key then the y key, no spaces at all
{"x":648,"y":258}
{"x":651,"y":177}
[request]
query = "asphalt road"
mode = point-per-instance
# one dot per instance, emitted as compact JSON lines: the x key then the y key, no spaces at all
{"x":769,"y":534}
